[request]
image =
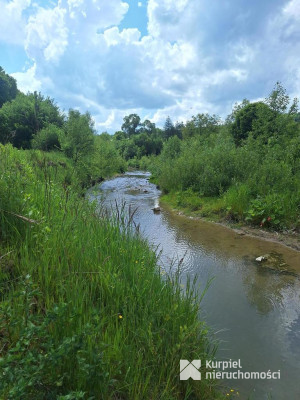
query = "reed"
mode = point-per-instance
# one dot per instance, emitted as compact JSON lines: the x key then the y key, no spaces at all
{"x":85,"y":311}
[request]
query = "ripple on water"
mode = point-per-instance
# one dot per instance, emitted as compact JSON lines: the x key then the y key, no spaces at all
{"x":254,"y":308}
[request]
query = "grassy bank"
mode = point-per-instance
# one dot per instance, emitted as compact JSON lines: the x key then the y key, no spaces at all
{"x":210,"y":208}
{"x":213,"y":210}
{"x":85,"y":312}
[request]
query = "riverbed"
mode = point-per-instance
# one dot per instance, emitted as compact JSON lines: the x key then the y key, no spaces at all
{"x":253,"y":311}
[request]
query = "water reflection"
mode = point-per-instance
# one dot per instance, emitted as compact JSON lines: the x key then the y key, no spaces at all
{"x":254,"y":310}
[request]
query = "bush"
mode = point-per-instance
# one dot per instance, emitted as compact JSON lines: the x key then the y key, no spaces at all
{"x":47,"y":139}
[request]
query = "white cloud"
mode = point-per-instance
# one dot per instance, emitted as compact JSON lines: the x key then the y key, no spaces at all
{"x":292,"y":9}
{"x":198,"y":56}
{"x":12,"y":21}
{"x":107,"y":124}
{"x":47,"y":34}
{"x":27,"y":81}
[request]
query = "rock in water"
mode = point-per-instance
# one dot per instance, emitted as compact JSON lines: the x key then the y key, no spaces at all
{"x":275,"y":262}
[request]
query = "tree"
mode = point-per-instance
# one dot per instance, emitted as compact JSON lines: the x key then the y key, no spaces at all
{"x":20,"y":121}
{"x":147,"y":144}
{"x":105,"y":136}
{"x":179,"y":126}
{"x":78,"y":139}
{"x":201,"y":124}
{"x":8,"y":87}
{"x":285,"y":117}
{"x":129,"y":150}
{"x":255,"y":118}
{"x":236,"y":109}
{"x":169,"y":129}
{"x":6,"y":135}
{"x":45,"y":111}
{"x":23,"y":117}
{"x":278,"y":99}
{"x":119,"y":135}
{"x":148,"y":127}
{"x":107,"y":160}
{"x":131,"y":124}
{"x":294,"y":109}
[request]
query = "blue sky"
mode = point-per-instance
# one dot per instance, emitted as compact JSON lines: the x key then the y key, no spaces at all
{"x":152,"y":57}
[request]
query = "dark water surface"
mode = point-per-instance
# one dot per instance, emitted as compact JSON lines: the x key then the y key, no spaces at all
{"x":254,"y":311}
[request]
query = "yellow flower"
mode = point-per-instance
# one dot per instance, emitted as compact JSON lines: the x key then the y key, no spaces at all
{"x":232,"y":390}
{"x":120,"y":316}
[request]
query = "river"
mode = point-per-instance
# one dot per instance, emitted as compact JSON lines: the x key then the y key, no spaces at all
{"x":254,"y":312}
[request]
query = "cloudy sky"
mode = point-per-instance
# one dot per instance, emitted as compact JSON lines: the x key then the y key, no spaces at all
{"x":155,"y":57}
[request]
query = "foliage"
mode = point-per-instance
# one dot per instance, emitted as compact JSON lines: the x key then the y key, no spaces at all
{"x":85,"y":311}
{"x":78,"y":140}
{"x":24,"y":116}
{"x":107,"y":159}
{"x":244,"y":122}
{"x":237,"y":200}
{"x":169,"y":129}
{"x":252,"y":164}
{"x":278,"y":99}
{"x":8,"y":87}
{"x":47,"y":138}
{"x":171,"y":149}
{"x":130,"y":125}
{"x":201,"y":124}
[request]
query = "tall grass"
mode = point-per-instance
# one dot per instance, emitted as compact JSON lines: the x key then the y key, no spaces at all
{"x":85,"y":312}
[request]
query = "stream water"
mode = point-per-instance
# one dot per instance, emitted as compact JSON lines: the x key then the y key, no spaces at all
{"x":253,"y":311}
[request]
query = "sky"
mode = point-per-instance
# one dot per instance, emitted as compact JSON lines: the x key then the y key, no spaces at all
{"x":156,"y":58}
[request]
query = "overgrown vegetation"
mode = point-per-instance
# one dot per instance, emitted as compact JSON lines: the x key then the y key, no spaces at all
{"x":247,"y":169}
{"x":33,"y":121}
{"x":85,"y":311}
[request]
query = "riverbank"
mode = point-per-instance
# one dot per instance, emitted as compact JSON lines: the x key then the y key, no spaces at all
{"x":85,"y":311}
{"x":251,"y":307}
{"x":212,"y":210}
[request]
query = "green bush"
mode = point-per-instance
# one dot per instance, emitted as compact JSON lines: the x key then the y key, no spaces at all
{"x":47,"y":139}
{"x":259,"y":181}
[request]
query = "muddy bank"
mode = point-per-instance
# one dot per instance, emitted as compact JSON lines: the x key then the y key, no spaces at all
{"x":288,"y":239}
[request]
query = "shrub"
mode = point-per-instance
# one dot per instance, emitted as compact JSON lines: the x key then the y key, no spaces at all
{"x":47,"y":139}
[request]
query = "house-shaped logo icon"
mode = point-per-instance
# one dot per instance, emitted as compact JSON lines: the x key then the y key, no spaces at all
{"x":190,"y":370}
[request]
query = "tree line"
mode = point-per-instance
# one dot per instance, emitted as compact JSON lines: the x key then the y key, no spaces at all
{"x":248,"y":165}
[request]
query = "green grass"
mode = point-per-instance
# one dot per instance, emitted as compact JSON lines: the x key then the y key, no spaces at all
{"x":85,"y":312}
{"x":192,"y":204}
